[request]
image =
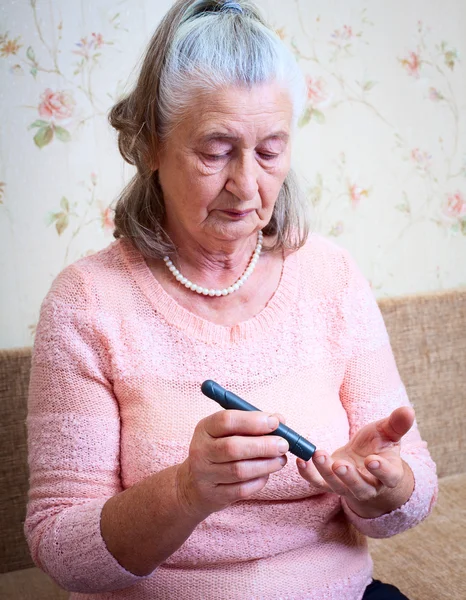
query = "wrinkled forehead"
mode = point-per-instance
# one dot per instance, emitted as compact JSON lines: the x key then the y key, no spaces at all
{"x":239,"y":113}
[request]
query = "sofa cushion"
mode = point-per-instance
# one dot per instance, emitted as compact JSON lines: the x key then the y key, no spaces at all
{"x":428,"y":562}
{"x":14,"y":381}
{"x":427,"y":333}
{"x":29,"y":584}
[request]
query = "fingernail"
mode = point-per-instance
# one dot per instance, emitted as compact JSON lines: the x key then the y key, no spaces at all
{"x":272,"y":422}
{"x":374,"y":464}
{"x":283,"y":445}
{"x":320,"y":460}
{"x":341,"y":470}
{"x":282,"y":460}
{"x":302,"y":464}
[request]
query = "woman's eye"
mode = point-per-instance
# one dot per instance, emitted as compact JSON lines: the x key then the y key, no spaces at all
{"x":267,"y":156}
{"x":215,"y":157}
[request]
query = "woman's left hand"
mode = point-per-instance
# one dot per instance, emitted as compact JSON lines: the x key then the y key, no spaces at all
{"x":368,"y":471}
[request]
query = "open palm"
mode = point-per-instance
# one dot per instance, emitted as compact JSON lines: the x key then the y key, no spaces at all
{"x":368,"y":464}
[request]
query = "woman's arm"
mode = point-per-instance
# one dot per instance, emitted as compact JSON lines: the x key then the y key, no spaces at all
{"x":400,"y":492}
{"x":230,"y":458}
{"x":154,"y":509}
{"x":82,"y":528}
{"x":372,"y":390}
{"x":73,"y":428}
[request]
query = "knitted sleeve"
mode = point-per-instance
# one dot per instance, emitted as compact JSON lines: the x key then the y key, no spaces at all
{"x":371,"y":390}
{"x":73,"y":442}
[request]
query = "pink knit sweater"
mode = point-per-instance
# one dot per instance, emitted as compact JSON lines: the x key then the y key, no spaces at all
{"x":115,"y":397}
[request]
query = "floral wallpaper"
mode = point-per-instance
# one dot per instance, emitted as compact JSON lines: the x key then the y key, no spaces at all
{"x":381,"y":146}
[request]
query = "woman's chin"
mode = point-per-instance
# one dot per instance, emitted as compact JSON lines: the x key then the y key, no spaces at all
{"x":233,"y":231}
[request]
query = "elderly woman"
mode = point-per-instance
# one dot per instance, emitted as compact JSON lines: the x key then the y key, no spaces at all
{"x":140,"y":486}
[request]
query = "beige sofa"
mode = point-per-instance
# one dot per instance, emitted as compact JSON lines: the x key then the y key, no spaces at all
{"x":428,"y":335}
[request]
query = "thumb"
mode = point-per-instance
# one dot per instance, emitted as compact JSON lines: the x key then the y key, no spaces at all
{"x":397,"y":424}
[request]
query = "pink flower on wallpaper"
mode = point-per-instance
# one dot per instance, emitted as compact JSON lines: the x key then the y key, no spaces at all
{"x":106,"y":219}
{"x":97,"y":39}
{"x":87,"y":47}
{"x":455,"y":206}
{"x":412,"y":64}
{"x":343,"y":35}
{"x":356,"y":192}
{"x":423,"y":160}
{"x":316,"y":92}
{"x":56,"y":105}
{"x":435,"y":95}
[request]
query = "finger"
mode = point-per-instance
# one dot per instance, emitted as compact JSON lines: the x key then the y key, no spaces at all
{"x":310,"y":473}
{"x":388,"y":472}
{"x":354,"y":482}
{"x":233,"y":448}
{"x":239,"y":422}
{"x":397,"y":424}
{"x":323,"y":464}
{"x":241,"y":491}
{"x":280,"y":417}
{"x":244,"y":470}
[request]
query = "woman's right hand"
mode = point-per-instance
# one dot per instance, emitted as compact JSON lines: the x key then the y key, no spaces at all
{"x":230,"y":458}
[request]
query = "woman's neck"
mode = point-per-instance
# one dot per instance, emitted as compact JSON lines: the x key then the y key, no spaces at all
{"x":215,"y":265}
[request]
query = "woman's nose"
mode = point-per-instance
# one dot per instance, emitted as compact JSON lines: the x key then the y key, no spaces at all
{"x":242,"y":179}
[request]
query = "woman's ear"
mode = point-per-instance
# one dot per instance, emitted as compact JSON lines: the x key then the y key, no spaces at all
{"x":153,"y":156}
{"x":154,"y":162}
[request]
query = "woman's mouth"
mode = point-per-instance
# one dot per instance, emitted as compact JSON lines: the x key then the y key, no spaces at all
{"x":237,"y":214}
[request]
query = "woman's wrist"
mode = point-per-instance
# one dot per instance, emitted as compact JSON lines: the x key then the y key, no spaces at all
{"x":188,"y":501}
{"x":145,"y":524}
{"x":388,"y":501}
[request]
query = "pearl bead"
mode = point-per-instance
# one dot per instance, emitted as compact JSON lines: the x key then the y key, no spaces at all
{"x":211,"y":292}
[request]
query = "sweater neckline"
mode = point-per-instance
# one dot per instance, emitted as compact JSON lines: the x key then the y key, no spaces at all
{"x":260,"y":324}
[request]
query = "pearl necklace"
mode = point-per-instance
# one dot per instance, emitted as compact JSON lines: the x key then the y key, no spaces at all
{"x":233,"y":288}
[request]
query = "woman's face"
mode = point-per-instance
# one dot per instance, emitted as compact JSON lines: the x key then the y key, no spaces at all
{"x":222,"y":168}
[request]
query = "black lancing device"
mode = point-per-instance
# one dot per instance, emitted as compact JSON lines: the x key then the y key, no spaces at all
{"x":299,"y":446}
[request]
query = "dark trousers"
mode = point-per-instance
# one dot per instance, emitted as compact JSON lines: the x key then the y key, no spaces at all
{"x":382,"y":591}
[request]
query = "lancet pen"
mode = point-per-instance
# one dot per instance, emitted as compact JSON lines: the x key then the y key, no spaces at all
{"x":299,"y":446}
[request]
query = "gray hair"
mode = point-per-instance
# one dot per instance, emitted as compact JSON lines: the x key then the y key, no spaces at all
{"x":200,"y":46}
